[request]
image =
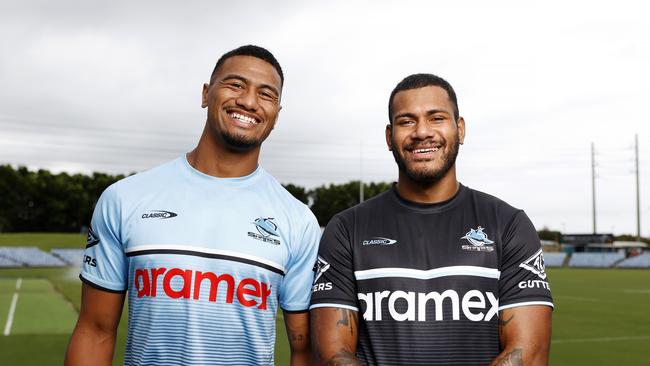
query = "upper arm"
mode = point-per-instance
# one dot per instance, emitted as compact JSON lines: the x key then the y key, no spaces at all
{"x":334,"y":334}
{"x":100,"y":310}
{"x":297,"y":324}
{"x":525,"y":335}
{"x":295,"y":289}
{"x":93,"y":339}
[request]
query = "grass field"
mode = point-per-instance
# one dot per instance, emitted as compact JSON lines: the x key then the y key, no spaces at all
{"x":602,"y":316}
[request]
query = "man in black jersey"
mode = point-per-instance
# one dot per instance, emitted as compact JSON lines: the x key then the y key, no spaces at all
{"x":430,"y":272}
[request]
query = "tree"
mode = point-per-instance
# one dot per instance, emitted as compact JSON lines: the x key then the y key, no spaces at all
{"x":299,"y":192}
{"x":327,"y":201}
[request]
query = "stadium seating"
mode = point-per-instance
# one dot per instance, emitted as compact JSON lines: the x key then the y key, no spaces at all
{"x":30,"y":257}
{"x":70,"y":256}
{"x":595,"y":259}
{"x":554,"y":259}
{"x":6,"y":262}
{"x":640,"y":261}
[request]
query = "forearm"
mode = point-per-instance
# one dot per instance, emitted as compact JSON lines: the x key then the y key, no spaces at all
{"x":342,"y":358}
{"x":525,"y":335}
{"x":509,"y":357}
{"x":334,"y":335}
{"x":90,"y":347}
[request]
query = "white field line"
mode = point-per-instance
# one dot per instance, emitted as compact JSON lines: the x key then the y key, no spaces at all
{"x":10,"y":318}
{"x":12,"y":308}
{"x":601,"y":339}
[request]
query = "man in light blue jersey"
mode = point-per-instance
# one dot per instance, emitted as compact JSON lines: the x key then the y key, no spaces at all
{"x":204,"y":247}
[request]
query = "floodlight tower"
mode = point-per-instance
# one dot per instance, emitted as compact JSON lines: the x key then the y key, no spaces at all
{"x":638,"y":200}
{"x":593,"y":188}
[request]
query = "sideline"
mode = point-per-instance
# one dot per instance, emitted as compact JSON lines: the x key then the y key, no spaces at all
{"x":601,"y":339}
{"x":12,"y":308}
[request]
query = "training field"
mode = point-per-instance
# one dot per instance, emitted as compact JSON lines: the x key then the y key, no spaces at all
{"x":602,"y":316}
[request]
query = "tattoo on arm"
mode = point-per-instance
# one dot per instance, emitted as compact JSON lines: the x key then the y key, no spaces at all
{"x":348,"y":319}
{"x":343,"y":358}
{"x":296,"y":336}
{"x":513,"y":358}
{"x":504,"y":322}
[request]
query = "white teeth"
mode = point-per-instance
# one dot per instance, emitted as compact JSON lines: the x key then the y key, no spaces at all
{"x":424,"y":151}
{"x":243,"y":118}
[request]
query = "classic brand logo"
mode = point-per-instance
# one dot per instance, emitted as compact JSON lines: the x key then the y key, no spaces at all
{"x":267,"y":229}
{"x":479,"y":241}
{"x":379,"y":241}
{"x":535,"y":264}
{"x":159,"y":214}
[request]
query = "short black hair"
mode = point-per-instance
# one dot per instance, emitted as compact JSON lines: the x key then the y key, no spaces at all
{"x":417,"y":81}
{"x":253,"y":51}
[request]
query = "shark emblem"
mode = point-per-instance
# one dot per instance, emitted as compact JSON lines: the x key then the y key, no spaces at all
{"x":477,"y":237}
{"x":266,"y":226}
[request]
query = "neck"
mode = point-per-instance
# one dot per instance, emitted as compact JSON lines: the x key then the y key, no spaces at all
{"x":213,"y":158}
{"x":440,"y":191}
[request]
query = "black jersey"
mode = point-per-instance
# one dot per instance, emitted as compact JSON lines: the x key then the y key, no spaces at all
{"x":429,"y":279}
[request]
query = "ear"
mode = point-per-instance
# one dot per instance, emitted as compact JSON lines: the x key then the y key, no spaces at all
{"x":204,"y":95}
{"x":389,"y":136}
{"x":461,"y":130}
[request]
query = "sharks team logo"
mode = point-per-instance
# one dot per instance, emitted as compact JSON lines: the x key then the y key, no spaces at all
{"x":479,"y":241}
{"x":266,"y":226}
{"x":267,"y":229}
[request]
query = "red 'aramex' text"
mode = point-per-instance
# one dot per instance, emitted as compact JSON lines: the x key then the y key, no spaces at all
{"x":250,"y":292}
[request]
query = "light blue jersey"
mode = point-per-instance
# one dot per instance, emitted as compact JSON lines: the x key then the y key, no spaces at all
{"x":205,"y":261}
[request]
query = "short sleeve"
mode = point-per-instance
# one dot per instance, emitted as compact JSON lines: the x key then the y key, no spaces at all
{"x":523,"y":276}
{"x":334,"y":284}
{"x":104,"y":264}
{"x":298,"y":278}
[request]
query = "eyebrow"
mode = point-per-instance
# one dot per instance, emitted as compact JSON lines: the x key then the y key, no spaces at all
{"x":241,"y":78}
{"x":428,"y":113}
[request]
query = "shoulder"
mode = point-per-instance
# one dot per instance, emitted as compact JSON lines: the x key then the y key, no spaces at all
{"x":376,"y":205}
{"x":485,"y":201}
{"x":294,"y":207}
{"x":137,"y":184}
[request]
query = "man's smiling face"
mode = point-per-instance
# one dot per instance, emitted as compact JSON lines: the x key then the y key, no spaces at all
{"x":243,"y":102}
{"x":424,"y":134}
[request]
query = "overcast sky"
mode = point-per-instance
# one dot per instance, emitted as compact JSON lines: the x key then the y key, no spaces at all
{"x":115,"y":86}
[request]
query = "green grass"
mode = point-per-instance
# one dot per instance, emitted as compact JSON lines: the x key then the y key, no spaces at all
{"x":45,"y":241}
{"x":601,"y":317}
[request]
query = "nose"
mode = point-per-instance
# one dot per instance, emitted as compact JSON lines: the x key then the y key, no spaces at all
{"x":423,"y":130}
{"x":247,"y":99}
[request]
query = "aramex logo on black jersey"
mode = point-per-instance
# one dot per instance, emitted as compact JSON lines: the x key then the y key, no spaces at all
{"x":377,"y":240}
{"x":159,"y":214}
{"x":419,"y":306}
